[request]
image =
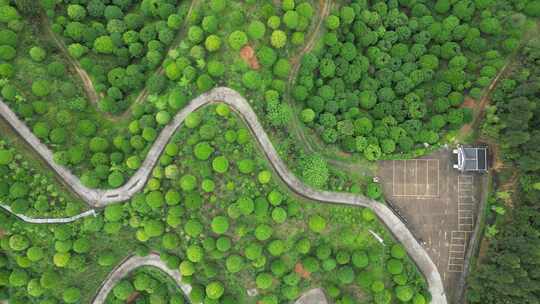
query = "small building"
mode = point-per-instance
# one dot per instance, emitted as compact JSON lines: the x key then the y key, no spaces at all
{"x":471,"y":159}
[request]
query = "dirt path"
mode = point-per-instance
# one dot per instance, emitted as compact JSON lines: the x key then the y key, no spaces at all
{"x":296,"y":126}
{"x":324,"y":10}
{"x":88,"y":86}
{"x":485,"y":100}
{"x":480,"y":107}
{"x":87,"y":83}
{"x":325,"y":7}
{"x":143,"y":95}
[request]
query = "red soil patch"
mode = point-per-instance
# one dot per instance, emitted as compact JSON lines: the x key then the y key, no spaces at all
{"x":299,"y":269}
{"x":248,"y":54}
{"x":469,"y":103}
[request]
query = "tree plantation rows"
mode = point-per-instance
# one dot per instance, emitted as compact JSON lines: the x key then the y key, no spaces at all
{"x":391,"y":75}
{"x":120,"y":44}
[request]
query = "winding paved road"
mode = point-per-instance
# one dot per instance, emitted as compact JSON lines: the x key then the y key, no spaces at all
{"x":100,"y":198}
{"x":131,"y":263}
{"x":313,"y":296}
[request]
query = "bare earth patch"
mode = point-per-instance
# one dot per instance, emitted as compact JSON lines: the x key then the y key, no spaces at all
{"x":467,"y":128}
{"x":469,"y":103}
{"x":300,"y":270}
{"x":248,"y":55}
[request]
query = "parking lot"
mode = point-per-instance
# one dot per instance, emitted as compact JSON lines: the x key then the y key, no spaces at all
{"x":439,"y":204}
{"x":415,"y":178}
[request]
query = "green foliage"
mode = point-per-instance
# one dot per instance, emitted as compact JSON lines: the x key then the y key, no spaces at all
{"x":278,"y":39}
{"x":6,"y":156}
{"x":256,"y":30}
{"x":234,"y":263}
{"x":220,"y":164}
{"x":332,"y":22}
{"x":374,"y":190}
{"x":504,"y":276}
{"x":220,"y":224}
{"x":8,"y":13}
{"x":212,"y":43}
{"x":264,"y":281}
{"x":41,"y":88}
{"x":237,"y":40}
{"x":104,"y":45}
{"x":315,"y":170}
{"x":123,"y":290}
{"x":317,"y":224}
{"x":137,"y":39}
{"x":18,"y":242}
{"x":37,"y":54}
{"x":214,"y":290}
{"x":404,"y":293}
{"x":203,"y":150}
{"x":251,"y":80}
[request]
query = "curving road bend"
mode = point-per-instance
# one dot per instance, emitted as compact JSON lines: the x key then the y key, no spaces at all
{"x":313,"y":296}
{"x":131,"y":263}
{"x":100,"y":198}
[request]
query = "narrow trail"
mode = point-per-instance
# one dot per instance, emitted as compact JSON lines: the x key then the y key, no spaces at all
{"x":88,"y":86}
{"x":87,"y":83}
{"x":98,"y":198}
{"x":296,"y":61}
{"x":63,"y":220}
{"x":503,"y":72}
{"x":143,"y":95}
{"x":480,"y":108}
{"x":324,"y":10}
{"x":325,"y":6}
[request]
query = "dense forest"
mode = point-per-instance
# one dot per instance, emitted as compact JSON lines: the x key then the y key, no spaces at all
{"x":509,"y":270}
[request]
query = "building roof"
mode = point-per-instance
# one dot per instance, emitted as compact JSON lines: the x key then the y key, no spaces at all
{"x":472,"y":158}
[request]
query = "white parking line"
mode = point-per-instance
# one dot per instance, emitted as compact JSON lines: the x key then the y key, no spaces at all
{"x":414,"y":189}
{"x":393,"y":177}
{"x":465,"y":212}
{"x":416,"y":176}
